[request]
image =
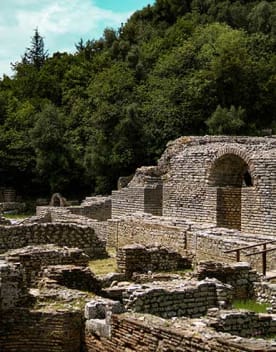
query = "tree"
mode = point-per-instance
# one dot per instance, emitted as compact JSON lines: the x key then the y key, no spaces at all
{"x":226,"y":121}
{"x":51,"y":150}
{"x":36,"y":54}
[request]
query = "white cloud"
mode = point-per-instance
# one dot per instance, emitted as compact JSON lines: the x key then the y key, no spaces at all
{"x":61,"y":22}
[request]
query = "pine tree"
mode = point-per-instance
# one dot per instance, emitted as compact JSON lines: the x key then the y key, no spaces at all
{"x":36,"y":54}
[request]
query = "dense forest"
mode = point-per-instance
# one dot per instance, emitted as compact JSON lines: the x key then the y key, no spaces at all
{"x":74,"y":123}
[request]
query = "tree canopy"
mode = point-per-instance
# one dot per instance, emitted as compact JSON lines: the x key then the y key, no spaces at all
{"x":76,"y":122}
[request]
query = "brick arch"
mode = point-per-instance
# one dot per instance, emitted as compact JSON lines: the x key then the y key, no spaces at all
{"x":232,"y":164}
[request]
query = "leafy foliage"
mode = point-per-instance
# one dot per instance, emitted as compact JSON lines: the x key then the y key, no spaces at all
{"x":79,"y":121}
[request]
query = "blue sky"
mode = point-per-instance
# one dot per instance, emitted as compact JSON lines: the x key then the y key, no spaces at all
{"x":61,"y":23}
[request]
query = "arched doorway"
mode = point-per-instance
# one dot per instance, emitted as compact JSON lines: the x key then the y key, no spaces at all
{"x":229,"y":173}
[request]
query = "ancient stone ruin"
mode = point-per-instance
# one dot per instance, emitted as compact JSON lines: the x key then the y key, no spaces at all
{"x":188,"y":237}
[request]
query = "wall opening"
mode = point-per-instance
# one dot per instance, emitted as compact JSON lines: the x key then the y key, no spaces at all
{"x":229,"y":174}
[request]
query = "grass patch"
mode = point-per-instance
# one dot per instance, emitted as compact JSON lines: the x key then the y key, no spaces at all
{"x":103,"y":266}
{"x":251,"y":305}
{"x":13,"y":216}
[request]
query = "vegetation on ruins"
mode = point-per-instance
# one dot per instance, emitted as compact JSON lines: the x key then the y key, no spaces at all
{"x":251,"y":305}
{"x":175,"y":68}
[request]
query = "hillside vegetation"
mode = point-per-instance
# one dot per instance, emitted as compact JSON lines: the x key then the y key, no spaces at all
{"x":76,"y":122}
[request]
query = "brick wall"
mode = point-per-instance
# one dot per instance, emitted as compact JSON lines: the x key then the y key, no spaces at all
{"x":139,"y":334}
{"x":22,"y":330}
{"x":229,"y":207}
{"x":195,"y":172}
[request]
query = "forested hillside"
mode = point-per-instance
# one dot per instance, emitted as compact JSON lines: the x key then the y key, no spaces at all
{"x":76,"y":122}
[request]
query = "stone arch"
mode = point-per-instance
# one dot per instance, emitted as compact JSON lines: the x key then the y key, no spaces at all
{"x":57,"y":200}
{"x":230,"y":170}
{"x":229,"y":173}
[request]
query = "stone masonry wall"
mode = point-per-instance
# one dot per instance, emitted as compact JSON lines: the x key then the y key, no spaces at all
{"x":211,"y":244}
{"x":191,"y":165}
{"x":205,"y":240}
{"x":98,"y":208}
{"x":265,"y":292}
{"x":145,"y":195}
{"x":195,"y":174}
{"x":13,"y":288}
{"x":175,"y":299}
{"x":146,"y":230}
{"x":239,"y":275}
{"x":69,"y":235}
{"x":143,"y":334}
{"x":22,"y":330}
{"x":245,"y":323}
{"x":127,"y":201}
{"x":65,"y":216}
{"x":138,"y":258}
{"x":34,"y":258}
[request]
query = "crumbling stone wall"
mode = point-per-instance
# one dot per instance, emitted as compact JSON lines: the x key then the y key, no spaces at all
{"x":34,"y":258}
{"x":13,"y":288}
{"x":145,"y":334}
{"x":212,"y":243}
{"x":226,"y":181}
{"x":65,"y":216}
{"x":239,"y":275}
{"x":138,"y":258}
{"x":70,"y":235}
{"x":266,"y":293}
{"x":98,"y":208}
{"x":175,"y":299}
{"x":145,"y":196}
{"x":181,"y":235}
{"x":245,"y":323}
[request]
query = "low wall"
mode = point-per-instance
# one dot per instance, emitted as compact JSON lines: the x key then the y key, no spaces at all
{"x":98,"y":208}
{"x":69,"y":235}
{"x":22,"y":330}
{"x":146,"y":230}
{"x":205,"y":240}
{"x":211,"y":244}
{"x":245,"y":323}
{"x":138,"y":258}
{"x":71,"y":276}
{"x":266,"y":293}
{"x":239,"y":275}
{"x":34,"y":258}
{"x":141,"y":334}
{"x":175,"y":299}
{"x":64,"y":215}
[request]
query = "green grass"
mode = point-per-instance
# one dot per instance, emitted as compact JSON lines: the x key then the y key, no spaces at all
{"x":251,"y":305}
{"x":103,"y":266}
{"x":17,"y":216}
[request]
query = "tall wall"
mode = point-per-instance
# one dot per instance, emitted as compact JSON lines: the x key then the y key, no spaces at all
{"x":226,"y":181}
{"x":127,"y":201}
